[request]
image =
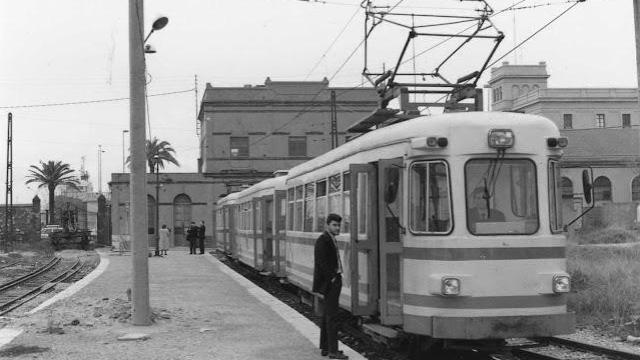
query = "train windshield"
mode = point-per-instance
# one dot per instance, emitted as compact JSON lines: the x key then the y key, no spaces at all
{"x":501,"y":196}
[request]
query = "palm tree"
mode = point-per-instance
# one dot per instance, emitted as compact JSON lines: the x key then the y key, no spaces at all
{"x":162,"y":149}
{"x":50,"y":175}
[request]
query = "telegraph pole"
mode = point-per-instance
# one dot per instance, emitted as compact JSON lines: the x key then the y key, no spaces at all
{"x":334,"y":121}
{"x":137,"y":189}
{"x":636,"y":17}
{"x":8,"y":197}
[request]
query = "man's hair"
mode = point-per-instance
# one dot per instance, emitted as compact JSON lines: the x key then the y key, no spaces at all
{"x":334,"y":217}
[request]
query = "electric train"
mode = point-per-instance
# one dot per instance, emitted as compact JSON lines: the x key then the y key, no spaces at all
{"x":452,"y":225}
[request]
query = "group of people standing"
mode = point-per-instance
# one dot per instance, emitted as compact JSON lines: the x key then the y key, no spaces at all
{"x":195,"y":237}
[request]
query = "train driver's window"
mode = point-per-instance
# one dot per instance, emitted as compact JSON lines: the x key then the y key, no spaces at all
{"x":430,"y":198}
{"x":501,"y":196}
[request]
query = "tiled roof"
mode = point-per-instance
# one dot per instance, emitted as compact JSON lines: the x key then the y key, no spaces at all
{"x":598,"y":143}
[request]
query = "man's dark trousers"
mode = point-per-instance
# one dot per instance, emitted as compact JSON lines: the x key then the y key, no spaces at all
{"x":329,"y":326}
{"x":192,"y":245}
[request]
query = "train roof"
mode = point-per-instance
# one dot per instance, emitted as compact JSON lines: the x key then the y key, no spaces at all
{"x":271,"y":184}
{"x":437,"y":125}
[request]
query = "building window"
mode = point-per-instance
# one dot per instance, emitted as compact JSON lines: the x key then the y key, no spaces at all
{"x":497,"y":94}
{"x":239,"y":146}
{"x":297,"y":146}
{"x":626,"y":120}
{"x":181,"y":218}
{"x":600,"y":120}
{"x":567,"y":188}
{"x":635,"y":189}
{"x":602,"y":188}
{"x":568,"y":121}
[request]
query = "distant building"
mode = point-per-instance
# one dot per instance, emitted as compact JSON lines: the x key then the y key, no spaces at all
{"x":601,"y":125}
{"x":246,"y":133}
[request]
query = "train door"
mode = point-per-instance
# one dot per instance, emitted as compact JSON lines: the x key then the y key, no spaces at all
{"x":390,"y":180}
{"x":364,"y":239}
{"x":280,"y":218}
{"x":267,"y":233}
{"x":256,"y":235}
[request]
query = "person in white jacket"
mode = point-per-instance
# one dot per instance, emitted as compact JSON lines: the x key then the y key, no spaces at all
{"x":165,"y":234}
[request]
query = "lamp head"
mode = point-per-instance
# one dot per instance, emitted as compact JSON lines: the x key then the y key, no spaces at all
{"x":149,"y":49}
{"x":160,"y":22}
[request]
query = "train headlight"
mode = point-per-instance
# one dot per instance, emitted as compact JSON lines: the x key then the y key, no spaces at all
{"x":501,"y":138}
{"x":561,"y":284}
{"x":450,"y":286}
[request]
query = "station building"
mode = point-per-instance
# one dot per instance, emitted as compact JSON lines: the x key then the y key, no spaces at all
{"x":246,"y":133}
{"x":601,"y":125}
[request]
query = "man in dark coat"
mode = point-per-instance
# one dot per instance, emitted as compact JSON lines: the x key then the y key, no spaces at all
{"x":327,"y":280}
{"x":192,"y":237}
{"x":201,"y":231}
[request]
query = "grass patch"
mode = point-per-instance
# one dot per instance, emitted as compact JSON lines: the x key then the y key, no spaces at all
{"x":606,"y":288}
{"x":610,"y":235}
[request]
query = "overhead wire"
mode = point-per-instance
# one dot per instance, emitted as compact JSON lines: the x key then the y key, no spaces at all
{"x":90,"y":101}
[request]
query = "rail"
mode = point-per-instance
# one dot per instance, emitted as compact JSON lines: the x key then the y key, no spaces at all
{"x":30,"y":275}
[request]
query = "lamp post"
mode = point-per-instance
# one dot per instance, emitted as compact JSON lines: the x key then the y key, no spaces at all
{"x":141,"y":311}
{"x":123,"y":158}
{"x":156,"y":160}
{"x":100,"y":151}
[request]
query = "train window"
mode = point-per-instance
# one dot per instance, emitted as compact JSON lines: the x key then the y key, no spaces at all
{"x":335,"y":186}
{"x":291,"y":201}
{"x":501,"y":196}
{"x":321,"y":204}
{"x":555,"y":196}
{"x":363,"y":202}
{"x":309,"y":191}
{"x":430,"y":198}
{"x":258,"y":216}
{"x":298,"y":208}
{"x":346,"y":203}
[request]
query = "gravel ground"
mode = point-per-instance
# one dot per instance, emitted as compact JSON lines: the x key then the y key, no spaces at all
{"x":594,"y":338}
{"x":200,"y":313}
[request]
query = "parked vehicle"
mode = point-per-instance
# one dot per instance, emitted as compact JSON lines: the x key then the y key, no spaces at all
{"x":48,"y":229}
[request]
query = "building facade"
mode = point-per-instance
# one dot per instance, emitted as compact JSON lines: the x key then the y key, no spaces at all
{"x":246,"y":133}
{"x":183,"y":197}
{"x":601,"y":125}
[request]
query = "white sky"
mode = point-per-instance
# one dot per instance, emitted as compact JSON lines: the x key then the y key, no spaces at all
{"x":66,"y":51}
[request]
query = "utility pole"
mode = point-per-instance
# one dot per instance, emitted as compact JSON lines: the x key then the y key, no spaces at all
{"x":195,"y":86}
{"x":137,"y":189}
{"x":334,"y":121}
{"x":636,"y":17}
{"x":8,"y":197}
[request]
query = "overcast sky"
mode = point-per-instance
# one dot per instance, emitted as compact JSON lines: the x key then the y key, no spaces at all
{"x":70,"y":50}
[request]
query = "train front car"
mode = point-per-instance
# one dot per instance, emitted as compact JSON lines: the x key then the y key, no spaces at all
{"x":483,"y":254}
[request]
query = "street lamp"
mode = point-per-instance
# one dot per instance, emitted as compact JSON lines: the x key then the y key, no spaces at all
{"x":100,"y":151}
{"x":157,"y":25}
{"x":156,"y":160}
{"x":141,"y":310}
{"x":123,"y":158}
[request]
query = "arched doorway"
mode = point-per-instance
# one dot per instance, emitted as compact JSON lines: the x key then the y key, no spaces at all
{"x":602,"y":189}
{"x":181,"y":219}
{"x":151,"y":215}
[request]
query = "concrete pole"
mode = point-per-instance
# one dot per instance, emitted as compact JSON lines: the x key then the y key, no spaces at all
{"x":137,"y":189}
{"x":636,"y":17}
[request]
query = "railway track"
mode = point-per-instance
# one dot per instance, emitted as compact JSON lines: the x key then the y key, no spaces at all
{"x":555,"y":348}
{"x":17,"y":292}
{"x":9,"y":264}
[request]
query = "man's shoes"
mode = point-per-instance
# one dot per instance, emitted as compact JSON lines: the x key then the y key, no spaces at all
{"x":338,"y":355}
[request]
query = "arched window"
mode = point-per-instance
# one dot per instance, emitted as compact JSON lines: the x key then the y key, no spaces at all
{"x":181,"y":218}
{"x":567,"y":188}
{"x":535,"y":88}
{"x":151,"y":215}
{"x":602,"y":188}
{"x":635,"y":189}
{"x":525,"y":89}
{"x":515,"y":91}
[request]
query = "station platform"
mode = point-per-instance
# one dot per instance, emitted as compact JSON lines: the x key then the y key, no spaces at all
{"x":202,"y":310}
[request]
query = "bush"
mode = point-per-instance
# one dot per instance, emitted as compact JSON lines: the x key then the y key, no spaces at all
{"x":606,"y":285}
{"x":610,"y":235}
